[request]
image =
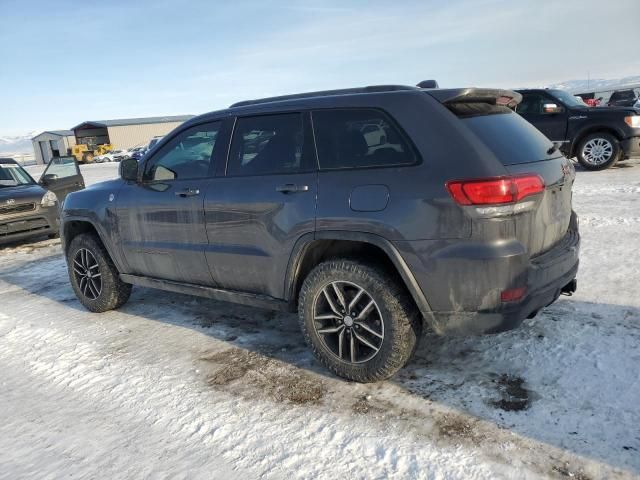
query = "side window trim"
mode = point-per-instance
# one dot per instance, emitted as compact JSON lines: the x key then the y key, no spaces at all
{"x":229,"y":142}
{"x":392,"y":122}
{"x":167,"y":141}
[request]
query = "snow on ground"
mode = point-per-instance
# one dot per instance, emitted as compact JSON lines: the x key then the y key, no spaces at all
{"x":182,"y":387}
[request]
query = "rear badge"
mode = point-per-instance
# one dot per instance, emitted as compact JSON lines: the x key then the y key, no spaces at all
{"x":11,"y":201}
{"x":111,"y":197}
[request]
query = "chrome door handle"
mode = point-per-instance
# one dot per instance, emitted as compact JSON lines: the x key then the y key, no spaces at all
{"x":188,"y":192}
{"x":292,"y":188}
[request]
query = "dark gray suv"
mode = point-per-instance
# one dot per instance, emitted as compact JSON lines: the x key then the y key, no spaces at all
{"x":372,"y":211}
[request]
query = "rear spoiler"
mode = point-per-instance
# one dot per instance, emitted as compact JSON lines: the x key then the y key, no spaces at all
{"x":492,"y":96}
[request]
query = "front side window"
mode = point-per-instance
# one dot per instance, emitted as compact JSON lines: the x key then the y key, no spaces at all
{"x":567,"y":98}
{"x":267,"y":144}
{"x":186,"y":156}
{"x":62,"y":167}
{"x":354,"y":138}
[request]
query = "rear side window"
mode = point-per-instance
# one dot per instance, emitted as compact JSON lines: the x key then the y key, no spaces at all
{"x":267,"y":144}
{"x":355,"y":138}
{"x":511,"y":138}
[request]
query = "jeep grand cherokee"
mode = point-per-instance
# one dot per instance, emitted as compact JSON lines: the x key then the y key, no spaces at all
{"x":458,"y":218}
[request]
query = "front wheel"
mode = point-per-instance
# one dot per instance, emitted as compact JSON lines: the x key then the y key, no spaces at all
{"x":598,"y":151}
{"x":94,"y":278}
{"x":359,"y":322}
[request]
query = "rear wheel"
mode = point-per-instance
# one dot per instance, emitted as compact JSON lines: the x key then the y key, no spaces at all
{"x":357,"y":320}
{"x":94,"y":277}
{"x":598,"y":151}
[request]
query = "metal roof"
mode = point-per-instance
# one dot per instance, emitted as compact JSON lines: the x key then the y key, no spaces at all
{"x":133,"y":121}
{"x":60,"y":133}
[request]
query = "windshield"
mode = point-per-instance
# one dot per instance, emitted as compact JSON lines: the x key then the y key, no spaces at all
{"x":12,"y":175}
{"x":568,"y":99}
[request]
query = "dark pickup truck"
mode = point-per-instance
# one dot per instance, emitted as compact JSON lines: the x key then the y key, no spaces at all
{"x":598,"y":137}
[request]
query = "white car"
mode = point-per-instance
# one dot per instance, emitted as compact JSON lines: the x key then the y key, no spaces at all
{"x":113,"y":156}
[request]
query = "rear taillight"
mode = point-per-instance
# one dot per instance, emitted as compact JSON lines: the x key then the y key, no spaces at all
{"x":495,"y":191}
{"x":513,"y":294}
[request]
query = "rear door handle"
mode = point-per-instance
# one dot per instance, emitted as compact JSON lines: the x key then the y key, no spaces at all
{"x":292,"y":188}
{"x":188,"y":192}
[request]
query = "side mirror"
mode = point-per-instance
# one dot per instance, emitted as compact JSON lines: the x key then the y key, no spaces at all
{"x":129,"y":169}
{"x":49,"y":177}
{"x":551,"y":108}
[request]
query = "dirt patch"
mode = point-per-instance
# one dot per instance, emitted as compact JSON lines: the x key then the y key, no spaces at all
{"x":565,"y":471}
{"x":277,"y":380}
{"x":363,"y":406}
{"x":456,"y":426}
{"x":514,"y":397}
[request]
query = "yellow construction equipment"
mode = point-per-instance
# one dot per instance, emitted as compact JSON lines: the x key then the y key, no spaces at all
{"x":85,"y":152}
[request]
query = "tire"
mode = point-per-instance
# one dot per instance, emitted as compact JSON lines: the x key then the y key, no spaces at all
{"x":393,"y":316}
{"x":87,"y":158}
{"x":102,"y":292}
{"x":598,"y":151}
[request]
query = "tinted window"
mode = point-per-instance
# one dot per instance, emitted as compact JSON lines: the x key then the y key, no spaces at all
{"x":511,"y":138}
{"x":352,"y":138}
{"x":531,"y":103}
{"x":267,"y":144}
{"x":188,"y":155}
{"x":623,"y":95}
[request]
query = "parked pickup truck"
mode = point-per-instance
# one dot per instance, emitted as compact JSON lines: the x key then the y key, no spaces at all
{"x":598,"y":137}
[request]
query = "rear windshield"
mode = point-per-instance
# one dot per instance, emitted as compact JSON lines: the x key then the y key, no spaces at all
{"x":511,"y":138}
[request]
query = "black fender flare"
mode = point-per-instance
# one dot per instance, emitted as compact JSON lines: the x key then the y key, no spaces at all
{"x":305,"y":241}
{"x":117,"y":260}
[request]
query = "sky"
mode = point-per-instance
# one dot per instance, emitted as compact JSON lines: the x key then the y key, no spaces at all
{"x":64,"y":62}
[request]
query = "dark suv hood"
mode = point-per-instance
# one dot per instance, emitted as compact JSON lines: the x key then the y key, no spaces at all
{"x":22,"y":193}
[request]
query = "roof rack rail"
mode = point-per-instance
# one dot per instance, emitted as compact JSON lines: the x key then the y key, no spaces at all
{"x":325,"y":93}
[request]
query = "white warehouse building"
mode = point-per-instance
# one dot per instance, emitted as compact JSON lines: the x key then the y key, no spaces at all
{"x":53,"y":143}
{"x":121,"y":133}
{"x":127,"y":132}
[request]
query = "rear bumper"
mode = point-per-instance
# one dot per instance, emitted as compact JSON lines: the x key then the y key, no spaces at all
{"x":546,"y":276}
{"x":630,"y":147}
{"x":464,"y":291}
{"x":44,"y":221}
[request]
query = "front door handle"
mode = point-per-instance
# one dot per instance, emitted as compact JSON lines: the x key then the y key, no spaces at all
{"x":188,"y":192}
{"x":292,"y":188}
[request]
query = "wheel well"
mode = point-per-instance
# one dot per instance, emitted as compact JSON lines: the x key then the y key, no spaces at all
{"x":320,"y":251}
{"x":74,"y":228}
{"x":589,"y":131}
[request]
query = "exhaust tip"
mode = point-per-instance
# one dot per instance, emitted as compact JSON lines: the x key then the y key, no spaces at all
{"x":569,"y":288}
